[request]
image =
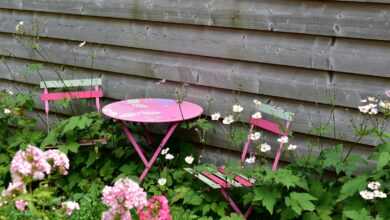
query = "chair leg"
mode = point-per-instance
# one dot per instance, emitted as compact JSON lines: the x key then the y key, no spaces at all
{"x":231,"y":202}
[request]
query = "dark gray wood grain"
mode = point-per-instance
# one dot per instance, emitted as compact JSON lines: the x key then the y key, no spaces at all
{"x":308,"y":118}
{"x":346,"y":55}
{"x":339,"y":89}
{"x":369,"y":21}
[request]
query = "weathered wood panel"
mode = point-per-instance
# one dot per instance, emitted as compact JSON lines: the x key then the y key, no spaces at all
{"x":339,"y":89}
{"x":308,"y":17}
{"x":314,"y":52}
{"x":308,"y":116}
{"x":217,"y":138}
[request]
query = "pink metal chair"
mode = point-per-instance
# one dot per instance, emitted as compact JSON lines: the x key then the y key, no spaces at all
{"x":47,"y":96}
{"x":218,"y":180}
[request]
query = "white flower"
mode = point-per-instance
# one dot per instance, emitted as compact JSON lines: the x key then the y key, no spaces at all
{"x":257,"y":102}
{"x":374,"y":185}
{"x":189,"y":159}
{"x":367,"y":195}
{"x":363,"y":100}
{"x":384,"y":105}
{"x":228,"y":120}
{"x":162,"y":181}
{"x":255,"y":136}
{"x":292,"y":147}
{"x":82,"y":44}
{"x":19,"y":26}
{"x":265,"y":147}
{"x":164,"y":151}
{"x":10,"y":92}
{"x":372,"y":99}
{"x":169,"y":157}
{"x":215,"y":116}
{"x":257,"y":115}
{"x":250,"y":160}
{"x":237,"y":108}
{"x":364,"y":108}
{"x":379,"y":194}
{"x":283,"y":140}
{"x":373,"y":110}
{"x":7,"y":111}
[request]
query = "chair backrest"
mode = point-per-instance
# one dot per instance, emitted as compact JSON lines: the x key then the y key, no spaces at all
{"x":47,"y":96}
{"x":270,"y":126}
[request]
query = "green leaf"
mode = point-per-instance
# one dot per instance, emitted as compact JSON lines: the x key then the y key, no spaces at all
{"x":268,"y":197}
{"x":352,"y":186}
{"x":300,"y":202}
{"x":383,"y":160}
{"x":362,"y":214}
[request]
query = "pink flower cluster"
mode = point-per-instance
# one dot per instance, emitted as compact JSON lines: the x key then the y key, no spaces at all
{"x":123,"y":196}
{"x":35,"y":164}
{"x":157,"y":208}
{"x":58,"y":160}
{"x":388,"y":93}
{"x":21,"y":204}
{"x":69,"y":207}
{"x":30,"y":162}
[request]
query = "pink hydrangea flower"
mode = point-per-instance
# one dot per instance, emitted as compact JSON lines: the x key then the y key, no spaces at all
{"x":58,"y":160}
{"x":123,"y":196}
{"x":30,"y":162}
{"x":388,"y":93}
{"x":14,"y":188}
{"x":70,"y":206}
{"x":157,"y":208}
{"x":21,"y":204}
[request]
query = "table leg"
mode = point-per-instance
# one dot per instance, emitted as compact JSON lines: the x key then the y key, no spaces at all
{"x":132,"y":140}
{"x":169,"y":133}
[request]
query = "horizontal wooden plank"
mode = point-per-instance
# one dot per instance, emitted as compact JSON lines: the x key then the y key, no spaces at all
{"x":294,"y":83}
{"x":334,"y":122}
{"x":309,"y":17}
{"x":346,"y":55}
{"x":71,"y":83}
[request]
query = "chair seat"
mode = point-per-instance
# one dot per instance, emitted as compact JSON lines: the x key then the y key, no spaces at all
{"x":217,"y":179}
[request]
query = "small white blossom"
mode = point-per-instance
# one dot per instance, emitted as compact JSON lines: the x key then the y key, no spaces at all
{"x":257,"y":115}
{"x":237,"y":108}
{"x":10,"y":92}
{"x":257,"y":102}
{"x":162,"y":181}
{"x":82,"y":44}
{"x":384,"y":105}
{"x":292,"y":147}
{"x":380,"y":194}
{"x":164,"y":151}
{"x":169,"y":157}
{"x":372,"y":99}
{"x":216,"y":116}
{"x":265,"y":147}
{"x":250,"y":160}
{"x":7,"y":111}
{"x":363,"y":100}
{"x":364,"y":108}
{"x":228,"y":120}
{"x":255,"y":136}
{"x":189,"y":159}
{"x":283,"y":140}
{"x":19,"y":26}
{"x":367,"y":195}
{"x":374,"y":185}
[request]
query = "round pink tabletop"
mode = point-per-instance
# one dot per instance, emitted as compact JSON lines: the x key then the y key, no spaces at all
{"x":152,"y":110}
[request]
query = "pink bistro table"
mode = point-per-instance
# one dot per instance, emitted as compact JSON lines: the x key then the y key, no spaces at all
{"x":154,"y":111}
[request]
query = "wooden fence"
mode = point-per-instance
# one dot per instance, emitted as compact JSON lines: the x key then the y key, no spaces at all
{"x":314,"y":58}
